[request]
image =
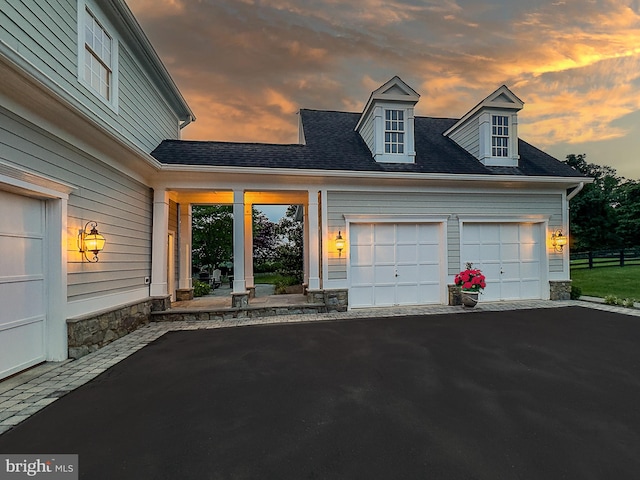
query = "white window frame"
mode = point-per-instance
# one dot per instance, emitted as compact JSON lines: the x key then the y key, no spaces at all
{"x":111,"y":64}
{"x":394,"y":131}
{"x":499,"y":136}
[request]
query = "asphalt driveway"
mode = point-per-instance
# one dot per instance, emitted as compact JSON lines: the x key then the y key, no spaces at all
{"x":528,"y":394}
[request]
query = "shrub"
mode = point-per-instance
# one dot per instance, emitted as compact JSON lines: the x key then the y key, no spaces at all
{"x":629,"y":302}
{"x":611,"y":300}
{"x":283,"y":282}
{"x":576,"y":292}
{"x":201,"y":289}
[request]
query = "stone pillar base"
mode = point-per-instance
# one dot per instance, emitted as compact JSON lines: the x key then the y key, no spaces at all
{"x":560,"y":289}
{"x":183,"y":294}
{"x":240,"y":300}
{"x":455,"y":296}
{"x":252,"y":292}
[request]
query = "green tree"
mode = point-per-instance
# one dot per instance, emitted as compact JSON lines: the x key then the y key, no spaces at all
{"x":265,"y":240}
{"x":628,"y":213}
{"x":291,"y":249}
{"x":212,"y":235}
{"x":593,"y":216}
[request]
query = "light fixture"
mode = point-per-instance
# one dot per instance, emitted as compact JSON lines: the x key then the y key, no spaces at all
{"x":558,"y":240}
{"x":90,"y":242}
{"x":339,"y":243}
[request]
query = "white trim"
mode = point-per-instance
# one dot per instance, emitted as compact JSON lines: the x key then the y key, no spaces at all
{"x":400,"y":218}
{"x":33,"y":183}
{"x":110,"y":302}
{"x":503,"y":218}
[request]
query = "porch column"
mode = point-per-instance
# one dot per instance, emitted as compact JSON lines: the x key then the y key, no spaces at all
{"x":239,"y":284}
{"x":313,"y":251}
{"x":185,"y":247}
{"x":248,"y":246}
{"x":159,"y":244}
{"x":305,"y":246}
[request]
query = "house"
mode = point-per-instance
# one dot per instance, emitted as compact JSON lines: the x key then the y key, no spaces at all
{"x":393,"y":204}
{"x":84,"y":99}
{"x":411,"y":199}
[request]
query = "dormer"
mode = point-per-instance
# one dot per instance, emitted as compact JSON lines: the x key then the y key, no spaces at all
{"x":489,"y":131}
{"x":386,"y":124}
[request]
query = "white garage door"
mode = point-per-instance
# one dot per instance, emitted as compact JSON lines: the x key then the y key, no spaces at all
{"x":22,"y":283}
{"x":394,"y":264}
{"x":509,"y":254}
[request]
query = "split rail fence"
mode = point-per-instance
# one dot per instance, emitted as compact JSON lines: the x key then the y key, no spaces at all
{"x":606,"y":258}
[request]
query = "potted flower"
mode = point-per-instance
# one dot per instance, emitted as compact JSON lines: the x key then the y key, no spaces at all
{"x":471,"y":282}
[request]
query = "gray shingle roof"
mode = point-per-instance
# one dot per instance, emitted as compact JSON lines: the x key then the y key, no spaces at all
{"x":333,"y":144}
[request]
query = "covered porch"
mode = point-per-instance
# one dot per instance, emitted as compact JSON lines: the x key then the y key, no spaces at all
{"x":172,"y":248}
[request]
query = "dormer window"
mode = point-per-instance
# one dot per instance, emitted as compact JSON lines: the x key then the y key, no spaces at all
{"x":489,"y":131}
{"x":499,"y":136}
{"x":394,"y":131}
{"x":387,"y":123}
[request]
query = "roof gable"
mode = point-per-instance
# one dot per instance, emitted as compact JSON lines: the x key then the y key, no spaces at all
{"x":394,"y":90}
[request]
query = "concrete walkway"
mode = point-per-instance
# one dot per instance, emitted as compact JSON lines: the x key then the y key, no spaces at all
{"x":25,"y":394}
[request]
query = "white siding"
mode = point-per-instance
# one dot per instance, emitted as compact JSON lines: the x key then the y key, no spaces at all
{"x":367,"y":133}
{"x":45,"y":34}
{"x":425,"y":203}
{"x":121,"y":206}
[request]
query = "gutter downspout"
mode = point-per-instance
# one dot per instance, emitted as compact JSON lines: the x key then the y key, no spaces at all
{"x":186,"y":122}
{"x":575,"y":191}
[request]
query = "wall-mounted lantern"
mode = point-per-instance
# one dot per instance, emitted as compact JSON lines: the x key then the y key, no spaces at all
{"x":339,"y":243}
{"x":558,"y":240}
{"x":90,"y":241}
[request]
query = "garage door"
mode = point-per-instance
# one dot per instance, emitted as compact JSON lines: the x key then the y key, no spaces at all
{"x":509,"y":254}
{"x":22,"y":283}
{"x":394,"y":264}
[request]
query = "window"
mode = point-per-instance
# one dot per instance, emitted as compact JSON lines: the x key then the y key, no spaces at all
{"x":97,"y":58}
{"x":394,"y":131}
{"x":499,"y":136}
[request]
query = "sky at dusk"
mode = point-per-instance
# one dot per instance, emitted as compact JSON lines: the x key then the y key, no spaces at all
{"x":247,"y":66}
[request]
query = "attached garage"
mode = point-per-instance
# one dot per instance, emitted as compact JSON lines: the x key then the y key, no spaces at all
{"x":511,"y":255}
{"x":395,"y":264}
{"x":23,"y":315}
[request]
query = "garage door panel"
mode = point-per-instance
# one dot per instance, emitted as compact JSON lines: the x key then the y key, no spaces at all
{"x":407,"y":273}
{"x":406,"y":234}
{"x":510,"y":252}
{"x":429,"y":234}
{"x":428,"y":254}
{"x":384,"y":254}
{"x":361,"y":255}
{"x":408,"y":295}
{"x":429,"y":273}
{"x":384,"y":274}
{"x":20,"y":300}
{"x":25,"y":258}
{"x":385,"y":295}
{"x":529,"y":252}
{"x":509,"y":233}
{"x":361,"y":235}
{"x":362,"y":275}
{"x":384,"y":234}
{"x":21,"y":347}
{"x":406,"y":253}
{"x":361,"y":296}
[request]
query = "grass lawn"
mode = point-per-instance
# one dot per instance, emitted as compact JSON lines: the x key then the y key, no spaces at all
{"x":600,"y":282}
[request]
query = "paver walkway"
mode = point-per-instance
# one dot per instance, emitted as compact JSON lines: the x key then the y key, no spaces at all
{"x":23,"y":395}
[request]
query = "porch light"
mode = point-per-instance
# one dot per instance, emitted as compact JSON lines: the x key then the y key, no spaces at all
{"x":90,"y":242}
{"x":339,"y":243}
{"x":558,"y":240}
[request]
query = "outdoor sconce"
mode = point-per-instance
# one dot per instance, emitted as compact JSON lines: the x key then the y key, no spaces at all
{"x":558,"y":240}
{"x":90,"y":242}
{"x":339,"y":243}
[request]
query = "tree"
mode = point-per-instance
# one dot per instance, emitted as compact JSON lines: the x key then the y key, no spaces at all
{"x":628,"y":213}
{"x":264,"y":239}
{"x":212,"y":235}
{"x":291,"y":249}
{"x":592,"y":212}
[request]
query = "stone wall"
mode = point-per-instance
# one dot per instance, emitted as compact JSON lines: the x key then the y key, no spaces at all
{"x":336,"y":300}
{"x":560,"y":289}
{"x":88,"y":333}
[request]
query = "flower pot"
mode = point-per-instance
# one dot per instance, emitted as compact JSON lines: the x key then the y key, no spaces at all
{"x":469,"y":299}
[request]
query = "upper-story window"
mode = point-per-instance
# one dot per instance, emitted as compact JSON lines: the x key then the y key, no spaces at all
{"x":499,"y":136}
{"x":394,"y":131}
{"x":98,"y":57}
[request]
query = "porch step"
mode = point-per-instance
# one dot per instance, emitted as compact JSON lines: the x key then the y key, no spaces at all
{"x":227,"y":313}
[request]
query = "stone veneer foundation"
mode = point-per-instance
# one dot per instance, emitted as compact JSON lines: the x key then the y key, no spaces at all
{"x":560,"y":289}
{"x":88,"y":333}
